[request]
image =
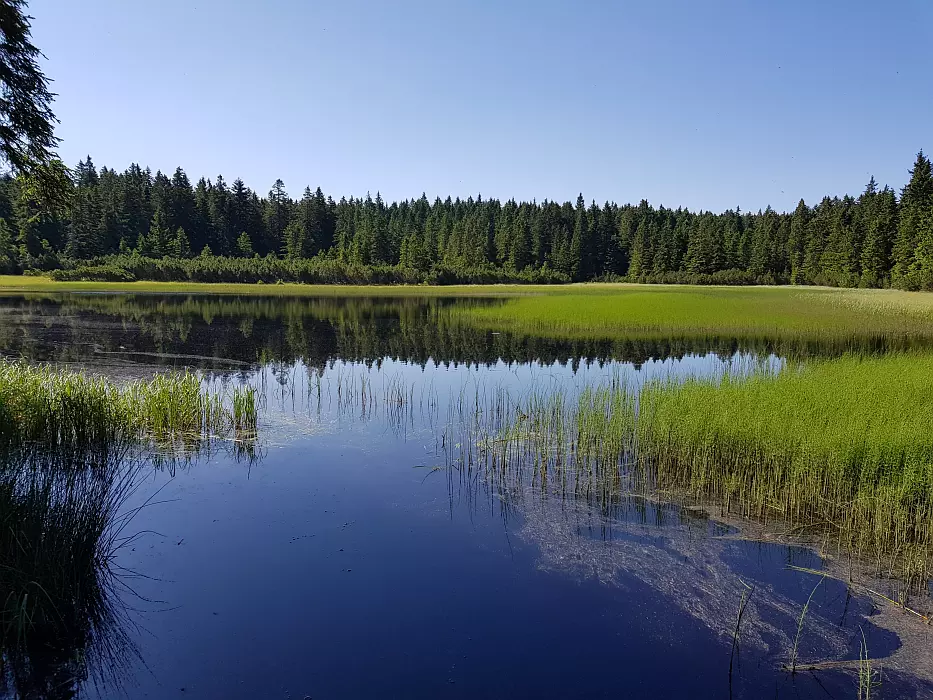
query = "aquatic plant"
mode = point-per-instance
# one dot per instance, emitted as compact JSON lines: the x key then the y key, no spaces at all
{"x":64,"y":411}
{"x":61,"y":614}
{"x":803,"y":614}
{"x":843,"y":446}
{"x":839,"y":450}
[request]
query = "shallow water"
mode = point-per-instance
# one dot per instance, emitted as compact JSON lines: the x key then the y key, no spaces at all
{"x":354,"y":557}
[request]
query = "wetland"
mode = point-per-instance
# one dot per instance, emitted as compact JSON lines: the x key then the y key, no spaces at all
{"x":591,"y":491}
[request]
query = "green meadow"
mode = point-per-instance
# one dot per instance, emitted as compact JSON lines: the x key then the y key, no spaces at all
{"x":741,"y":312}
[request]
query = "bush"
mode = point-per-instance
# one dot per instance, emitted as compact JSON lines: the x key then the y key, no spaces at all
{"x":273,"y":270}
{"x":721,"y":277}
{"x":93,"y":273}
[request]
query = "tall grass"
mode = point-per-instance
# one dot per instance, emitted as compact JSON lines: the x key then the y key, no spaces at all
{"x":841,"y":449}
{"x":66,"y":411}
{"x":70,"y":447}
{"x":845,"y":444}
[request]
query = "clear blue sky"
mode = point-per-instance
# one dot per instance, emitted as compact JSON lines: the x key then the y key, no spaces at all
{"x":708,"y":105}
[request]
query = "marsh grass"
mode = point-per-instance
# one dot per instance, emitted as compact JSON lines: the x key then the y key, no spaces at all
{"x":842,"y":446}
{"x":838,"y":451}
{"x":789,"y":318}
{"x":64,"y":412}
{"x":794,"y":655}
{"x":71,"y":445}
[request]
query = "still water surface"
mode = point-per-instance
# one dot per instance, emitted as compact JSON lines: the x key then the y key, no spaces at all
{"x":350,"y":559}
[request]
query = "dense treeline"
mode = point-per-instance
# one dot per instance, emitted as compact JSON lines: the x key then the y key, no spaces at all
{"x":136,"y":225}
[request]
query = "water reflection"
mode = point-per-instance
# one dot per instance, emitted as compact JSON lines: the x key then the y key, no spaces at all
{"x":233,"y":333}
{"x":64,"y":618}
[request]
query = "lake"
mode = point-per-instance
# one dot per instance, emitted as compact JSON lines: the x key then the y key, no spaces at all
{"x":366,"y":547}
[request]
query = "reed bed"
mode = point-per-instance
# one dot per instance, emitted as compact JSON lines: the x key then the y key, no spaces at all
{"x":62,"y":411}
{"x":61,"y":618}
{"x":841,"y":449}
{"x":842,"y":445}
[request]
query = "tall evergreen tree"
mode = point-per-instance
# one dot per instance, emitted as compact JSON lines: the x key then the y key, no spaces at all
{"x":916,"y":199}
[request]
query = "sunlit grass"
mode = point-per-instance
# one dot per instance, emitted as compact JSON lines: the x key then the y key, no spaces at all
{"x":64,"y":411}
{"x":845,"y":443}
{"x":741,"y":313}
{"x":20,"y":284}
{"x":842,"y":448}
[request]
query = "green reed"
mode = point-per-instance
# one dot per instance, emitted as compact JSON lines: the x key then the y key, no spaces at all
{"x":71,"y":445}
{"x":844,"y":445}
{"x":841,"y":449}
{"x":64,"y":410}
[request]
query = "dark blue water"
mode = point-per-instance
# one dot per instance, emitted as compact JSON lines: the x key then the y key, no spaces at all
{"x":352,"y":559}
{"x":338,"y":567}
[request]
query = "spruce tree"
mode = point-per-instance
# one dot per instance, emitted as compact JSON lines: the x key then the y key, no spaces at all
{"x":159,"y":240}
{"x":520,"y":254}
{"x":27,"y":136}
{"x":580,"y":251}
{"x":275,"y":217}
{"x":244,"y":246}
{"x":295,"y":241}
{"x":916,"y":198}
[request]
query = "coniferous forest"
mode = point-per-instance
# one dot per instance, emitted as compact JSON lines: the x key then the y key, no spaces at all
{"x":139,"y":225}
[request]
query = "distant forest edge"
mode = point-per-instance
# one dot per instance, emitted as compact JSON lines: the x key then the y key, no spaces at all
{"x":136,"y":225}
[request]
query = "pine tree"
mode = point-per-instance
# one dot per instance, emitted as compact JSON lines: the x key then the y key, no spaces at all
{"x":295,"y":241}
{"x":705,"y":251}
{"x":520,"y":254}
{"x":916,"y":199}
{"x":818,"y":231}
{"x":181,"y":209}
{"x":379,"y":245}
{"x":84,"y":234}
{"x":27,"y":139}
{"x":581,"y":267}
{"x":312,"y":215}
{"x":159,"y":243}
{"x":798,"y":241}
{"x":180,"y":246}
{"x":275,"y":218}
{"x":244,"y":245}
{"x":136,"y":191}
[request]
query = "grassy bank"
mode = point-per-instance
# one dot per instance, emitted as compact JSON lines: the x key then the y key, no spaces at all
{"x":841,"y":448}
